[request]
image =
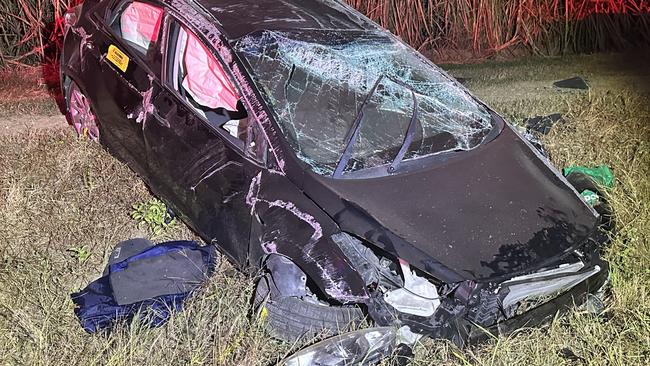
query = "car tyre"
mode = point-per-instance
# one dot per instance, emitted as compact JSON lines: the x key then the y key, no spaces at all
{"x":80,"y":112}
{"x":292,"y":319}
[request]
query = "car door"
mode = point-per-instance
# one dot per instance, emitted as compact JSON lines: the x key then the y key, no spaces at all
{"x":200,"y":167}
{"x":127,"y":58}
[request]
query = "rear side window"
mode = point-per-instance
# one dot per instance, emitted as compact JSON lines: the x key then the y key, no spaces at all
{"x":138,"y":24}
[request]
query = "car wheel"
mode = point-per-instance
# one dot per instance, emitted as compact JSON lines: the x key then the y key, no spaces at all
{"x":80,"y":113}
{"x":291,"y":318}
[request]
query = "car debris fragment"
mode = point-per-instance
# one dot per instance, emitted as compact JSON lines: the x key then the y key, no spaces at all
{"x":543,"y":124}
{"x":568,"y":354}
{"x":576,"y":82}
{"x":362,"y":347}
{"x":600,"y":174}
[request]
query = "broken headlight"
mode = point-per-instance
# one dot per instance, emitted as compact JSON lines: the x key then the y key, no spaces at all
{"x":361,"y":347}
{"x":530,"y":291}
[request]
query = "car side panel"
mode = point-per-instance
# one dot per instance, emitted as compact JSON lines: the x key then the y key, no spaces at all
{"x":282,"y":213}
{"x":326,"y":265}
{"x":290,"y":224}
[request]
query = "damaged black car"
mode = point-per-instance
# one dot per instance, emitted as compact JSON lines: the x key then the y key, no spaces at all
{"x":311,"y":145}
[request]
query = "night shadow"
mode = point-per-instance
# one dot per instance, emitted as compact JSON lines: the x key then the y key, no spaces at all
{"x":626,"y":37}
{"x":51,"y":65}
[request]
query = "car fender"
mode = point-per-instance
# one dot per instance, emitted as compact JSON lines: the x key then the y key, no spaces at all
{"x":288,"y":223}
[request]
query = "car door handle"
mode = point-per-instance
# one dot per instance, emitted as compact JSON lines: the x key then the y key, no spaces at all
{"x":92,"y":48}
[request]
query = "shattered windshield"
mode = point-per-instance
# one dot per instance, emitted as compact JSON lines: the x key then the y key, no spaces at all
{"x":319,"y":83}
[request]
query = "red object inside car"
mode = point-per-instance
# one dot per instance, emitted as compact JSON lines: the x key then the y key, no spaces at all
{"x":140,"y":23}
{"x":205,"y":79}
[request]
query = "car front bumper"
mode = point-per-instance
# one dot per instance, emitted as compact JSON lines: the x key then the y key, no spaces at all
{"x":575,"y":296}
{"x":470,"y":312}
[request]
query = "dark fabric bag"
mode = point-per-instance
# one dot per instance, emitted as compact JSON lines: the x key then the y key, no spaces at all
{"x":152,"y":281}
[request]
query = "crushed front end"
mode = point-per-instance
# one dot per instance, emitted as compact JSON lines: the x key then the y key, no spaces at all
{"x":468,"y":312}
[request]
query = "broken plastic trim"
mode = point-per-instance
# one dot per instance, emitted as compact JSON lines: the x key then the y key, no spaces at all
{"x":286,"y":277}
{"x":418,"y":296}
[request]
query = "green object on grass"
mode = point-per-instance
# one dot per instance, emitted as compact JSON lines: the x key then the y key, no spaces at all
{"x":591,"y":197}
{"x":600,"y":174}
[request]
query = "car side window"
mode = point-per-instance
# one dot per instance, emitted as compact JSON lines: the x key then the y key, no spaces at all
{"x":201,"y":80}
{"x":138,"y":24}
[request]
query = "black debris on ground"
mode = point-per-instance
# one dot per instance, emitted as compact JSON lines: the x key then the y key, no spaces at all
{"x":543,"y":124}
{"x":402,"y":356}
{"x":568,"y":354}
{"x":572,"y":83}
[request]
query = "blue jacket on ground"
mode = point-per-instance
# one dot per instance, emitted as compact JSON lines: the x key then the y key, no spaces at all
{"x":153,"y":283}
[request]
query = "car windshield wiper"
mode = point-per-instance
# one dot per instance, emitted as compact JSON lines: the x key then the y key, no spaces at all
{"x":353,"y":133}
{"x":410,"y":132}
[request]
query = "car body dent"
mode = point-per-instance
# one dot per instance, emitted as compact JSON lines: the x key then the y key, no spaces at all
{"x":293,"y":226}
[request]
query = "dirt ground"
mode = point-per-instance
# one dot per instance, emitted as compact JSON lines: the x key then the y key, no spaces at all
{"x":64,"y":202}
{"x":16,"y":125}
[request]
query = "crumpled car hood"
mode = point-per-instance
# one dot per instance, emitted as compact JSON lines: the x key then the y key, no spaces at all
{"x":495,"y":211}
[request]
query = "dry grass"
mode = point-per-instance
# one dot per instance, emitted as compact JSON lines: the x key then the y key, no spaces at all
{"x":58,"y":193}
{"x":29,"y":29}
{"x":452,"y":29}
{"x":609,"y":125}
{"x":23,"y":91}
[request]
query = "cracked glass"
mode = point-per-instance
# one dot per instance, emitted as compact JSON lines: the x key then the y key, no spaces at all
{"x":317,"y":82}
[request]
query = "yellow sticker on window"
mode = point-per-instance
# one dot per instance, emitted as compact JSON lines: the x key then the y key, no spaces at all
{"x":118,"y":58}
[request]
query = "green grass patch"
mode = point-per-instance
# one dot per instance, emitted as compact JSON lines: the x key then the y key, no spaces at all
{"x":154,"y":215}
